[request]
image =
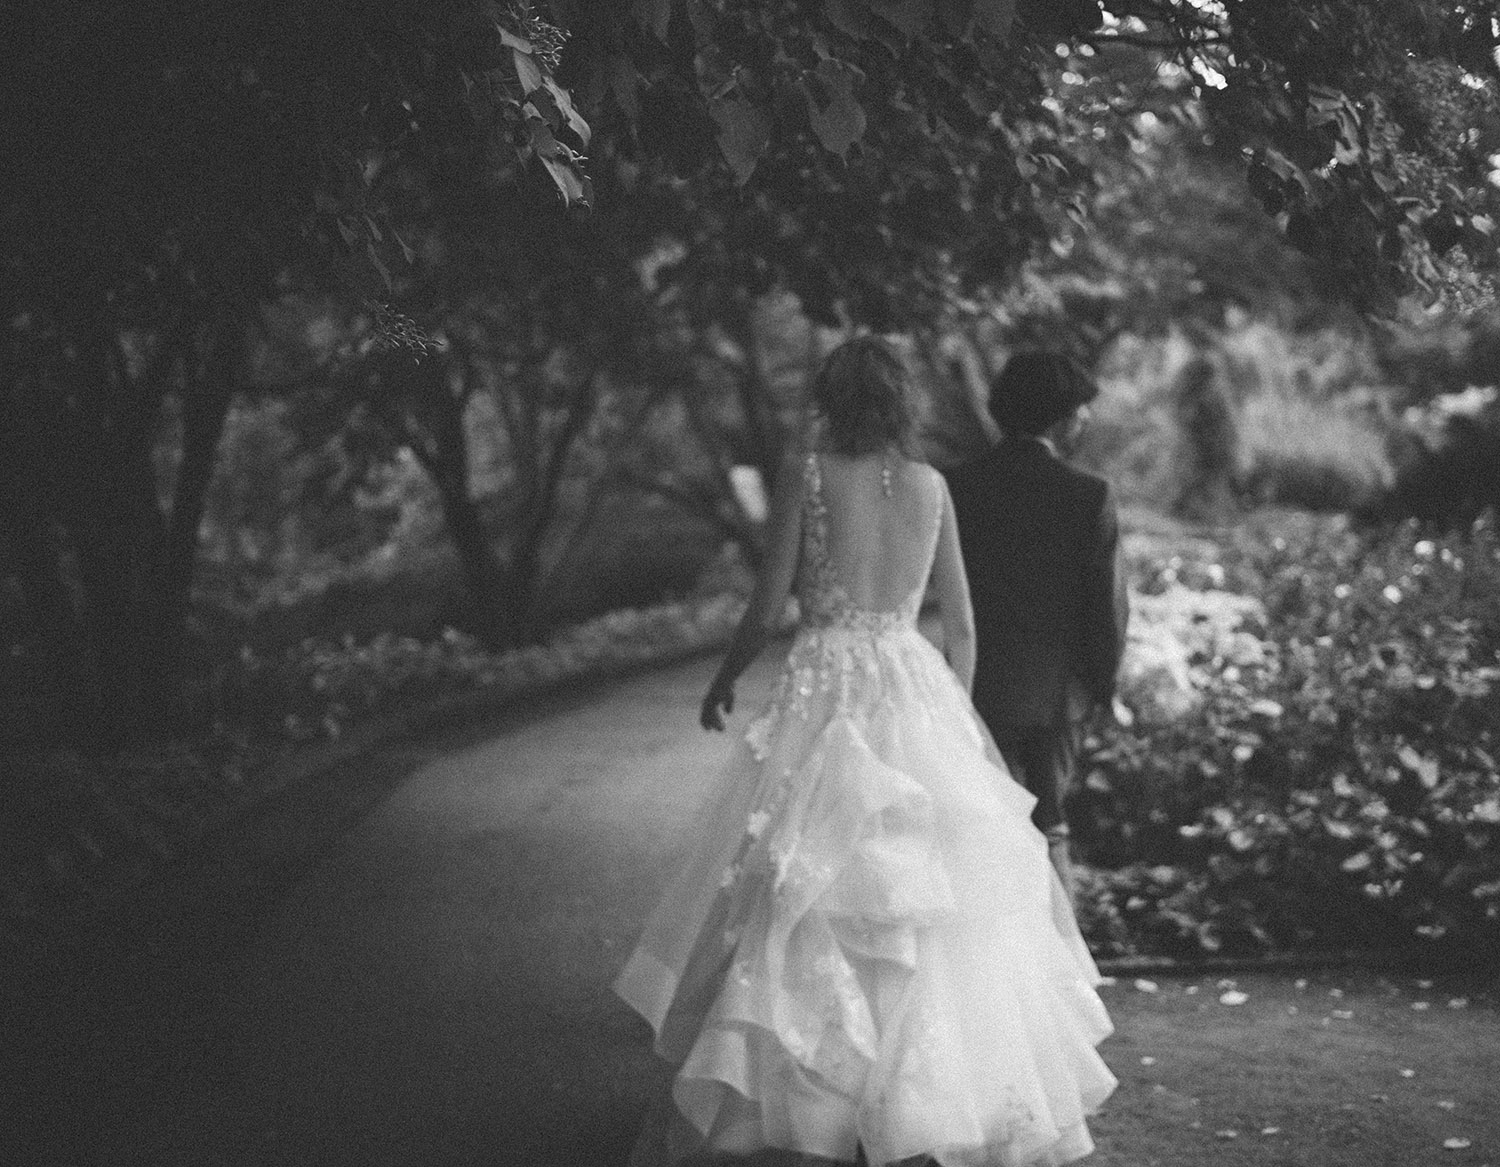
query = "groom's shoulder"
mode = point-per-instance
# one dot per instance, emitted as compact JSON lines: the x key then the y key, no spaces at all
{"x":1087,"y":480}
{"x":969,"y":475}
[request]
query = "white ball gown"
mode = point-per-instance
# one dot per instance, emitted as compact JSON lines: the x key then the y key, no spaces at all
{"x":867,"y":950}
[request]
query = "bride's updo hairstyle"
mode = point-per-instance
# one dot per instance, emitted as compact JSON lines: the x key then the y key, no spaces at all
{"x":863,"y":392}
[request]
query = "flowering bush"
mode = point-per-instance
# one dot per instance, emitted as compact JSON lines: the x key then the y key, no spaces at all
{"x":1328,"y":774}
{"x":321,"y":687}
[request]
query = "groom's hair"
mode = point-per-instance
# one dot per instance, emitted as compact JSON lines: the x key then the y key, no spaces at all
{"x":1036,"y":389}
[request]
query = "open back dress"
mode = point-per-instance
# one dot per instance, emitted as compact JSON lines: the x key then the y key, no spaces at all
{"x":867,"y":949}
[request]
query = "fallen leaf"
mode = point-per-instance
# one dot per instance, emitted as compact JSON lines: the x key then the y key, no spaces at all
{"x":1233,"y":997}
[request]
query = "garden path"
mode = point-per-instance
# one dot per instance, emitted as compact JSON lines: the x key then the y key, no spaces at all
{"x":406,"y":965}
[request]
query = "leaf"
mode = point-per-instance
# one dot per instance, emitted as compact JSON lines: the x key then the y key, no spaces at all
{"x":840,"y":121}
{"x":572,"y":184}
{"x":570,"y":114}
{"x":528,"y":72}
{"x":511,"y":41}
{"x":995,"y":16}
{"x":744,"y":134}
{"x":1424,"y":768}
{"x":654,"y":15}
{"x":543,"y":141}
{"x":407,"y":251}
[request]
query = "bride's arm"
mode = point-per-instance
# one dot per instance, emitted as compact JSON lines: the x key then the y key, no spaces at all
{"x":954,"y":606}
{"x":772,"y":587}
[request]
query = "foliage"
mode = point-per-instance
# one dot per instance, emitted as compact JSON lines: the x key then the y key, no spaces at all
{"x":1331,"y":777}
{"x":1310,"y":421}
{"x":322,"y":688}
{"x":864,"y":155}
{"x":177,"y":166}
{"x":1366,"y":126}
{"x":402,"y":166}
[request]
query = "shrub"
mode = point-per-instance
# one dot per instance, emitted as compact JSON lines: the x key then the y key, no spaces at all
{"x":321,"y":687}
{"x":1336,"y":784}
{"x":1320,"y":456}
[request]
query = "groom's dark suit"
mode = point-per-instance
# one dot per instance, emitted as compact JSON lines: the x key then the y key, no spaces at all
{"x":1040,"y":543}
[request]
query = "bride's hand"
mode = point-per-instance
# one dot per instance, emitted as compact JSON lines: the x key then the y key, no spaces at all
{"x":718,"y":702}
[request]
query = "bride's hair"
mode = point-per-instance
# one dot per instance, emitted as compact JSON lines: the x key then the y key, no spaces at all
{"x":864,"y":392}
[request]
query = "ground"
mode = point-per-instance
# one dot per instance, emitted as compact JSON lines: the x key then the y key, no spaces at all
{"x":407,"y":963}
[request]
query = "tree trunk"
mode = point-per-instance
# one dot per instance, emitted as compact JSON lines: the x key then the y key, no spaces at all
{"x":49,"y":691}
{"x":120,"y":537}
{"x":430,"y":418}
{"x":205,"y":408}
{"x":60,"y":699}
{"x":526,"y":556}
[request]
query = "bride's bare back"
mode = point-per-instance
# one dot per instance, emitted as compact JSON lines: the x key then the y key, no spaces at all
{"x":879,"y":548}
{"x":880,"y":545}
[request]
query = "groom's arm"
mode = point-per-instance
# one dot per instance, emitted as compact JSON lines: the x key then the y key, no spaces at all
{"x":1105,"y":604}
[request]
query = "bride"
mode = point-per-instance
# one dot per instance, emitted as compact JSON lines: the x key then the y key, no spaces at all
{"x":867,"y":956}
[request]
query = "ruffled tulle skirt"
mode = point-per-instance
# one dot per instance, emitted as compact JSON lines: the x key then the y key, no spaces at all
{"x":868,"y":948}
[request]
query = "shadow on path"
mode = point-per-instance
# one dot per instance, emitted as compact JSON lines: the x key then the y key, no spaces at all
{"x":403,"y":962}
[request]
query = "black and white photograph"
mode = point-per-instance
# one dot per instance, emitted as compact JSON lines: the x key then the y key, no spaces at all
{"x":750,"y":583}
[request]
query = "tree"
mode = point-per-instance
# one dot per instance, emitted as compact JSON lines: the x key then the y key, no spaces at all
{"x":1367,"y":129}
{"x":175,"y":166}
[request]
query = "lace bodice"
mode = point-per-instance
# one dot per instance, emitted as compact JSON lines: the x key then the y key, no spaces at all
{"x":824,"y":600}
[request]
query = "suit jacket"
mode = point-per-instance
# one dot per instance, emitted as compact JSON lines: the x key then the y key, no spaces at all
{"x":1040,"y":546}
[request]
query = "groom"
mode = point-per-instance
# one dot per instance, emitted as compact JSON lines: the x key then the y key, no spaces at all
{"x":1040,"y":546}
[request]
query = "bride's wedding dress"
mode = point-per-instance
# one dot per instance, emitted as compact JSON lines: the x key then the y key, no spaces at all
{"x":868,"y":949}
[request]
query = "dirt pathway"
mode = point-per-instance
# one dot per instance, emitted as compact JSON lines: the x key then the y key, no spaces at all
{"x":407,"y":966}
